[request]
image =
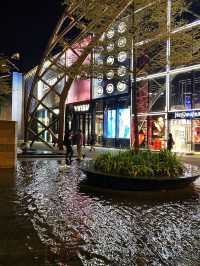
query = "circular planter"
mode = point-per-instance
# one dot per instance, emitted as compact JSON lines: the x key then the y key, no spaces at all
{"x":103,"y":180}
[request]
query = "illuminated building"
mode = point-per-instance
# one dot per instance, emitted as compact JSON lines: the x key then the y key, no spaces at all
{"x":168,"y":98}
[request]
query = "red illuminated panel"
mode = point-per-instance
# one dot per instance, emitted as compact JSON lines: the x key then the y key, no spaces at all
{"x":72,"y":54}
{"x":79,"y":91}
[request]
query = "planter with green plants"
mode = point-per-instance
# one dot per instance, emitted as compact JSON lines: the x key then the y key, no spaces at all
{"x":131,"y":170}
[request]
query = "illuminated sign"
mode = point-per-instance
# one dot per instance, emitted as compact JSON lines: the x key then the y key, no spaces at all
{"x":188,"y":102}
{"x":82,"y":108}
{"x":187,"y":115}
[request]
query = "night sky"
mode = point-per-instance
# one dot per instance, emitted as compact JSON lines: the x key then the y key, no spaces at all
{"x":26,"y":27}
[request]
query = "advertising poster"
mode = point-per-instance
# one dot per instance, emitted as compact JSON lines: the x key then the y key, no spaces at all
{"x":110,"y":124}
{"x":123,"y":123}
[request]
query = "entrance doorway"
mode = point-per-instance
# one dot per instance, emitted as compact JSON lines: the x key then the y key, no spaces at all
{"x":83,"y":122}
{"x":181,"y":131}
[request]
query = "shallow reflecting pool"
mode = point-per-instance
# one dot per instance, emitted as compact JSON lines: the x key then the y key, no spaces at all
{"x":47,"y":218}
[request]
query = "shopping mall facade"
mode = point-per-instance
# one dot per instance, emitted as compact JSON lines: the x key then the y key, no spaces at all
{"x":168,"y":98}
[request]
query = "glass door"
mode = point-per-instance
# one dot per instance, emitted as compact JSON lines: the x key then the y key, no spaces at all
{"x":181,"y":132}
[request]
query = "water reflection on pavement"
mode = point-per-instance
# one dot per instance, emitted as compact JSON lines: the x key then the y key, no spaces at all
{"x":48,"y":219}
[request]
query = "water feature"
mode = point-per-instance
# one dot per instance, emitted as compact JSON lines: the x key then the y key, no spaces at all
{"x":46,"y":218}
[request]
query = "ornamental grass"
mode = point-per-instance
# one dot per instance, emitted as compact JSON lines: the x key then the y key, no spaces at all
{"x":141,"y":164}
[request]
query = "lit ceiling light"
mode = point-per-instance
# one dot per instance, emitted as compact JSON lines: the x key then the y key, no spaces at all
{"x":110,"y":47}
{"x":100,"y":76}
{"x":109,"y":88}
{"x":121,"y":86}
{"x":110,"y":33}
{"x":122,"y":56}
{"x":121,"y":42}
{"x":100,"y":90}
{"x":110,"y":74}
{"x":121,"y":71}
{"x":122,"y":27}
{"x":110,"y":60}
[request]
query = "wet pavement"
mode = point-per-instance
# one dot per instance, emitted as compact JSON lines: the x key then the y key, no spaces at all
{"x":48,"y":218}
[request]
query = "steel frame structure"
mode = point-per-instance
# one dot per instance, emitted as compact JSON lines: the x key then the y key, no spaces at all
{"x":83,"y":18}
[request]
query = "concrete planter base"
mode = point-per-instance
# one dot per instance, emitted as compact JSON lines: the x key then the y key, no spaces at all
{"x":103,"y":180}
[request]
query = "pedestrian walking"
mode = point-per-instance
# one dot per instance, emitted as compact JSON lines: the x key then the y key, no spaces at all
{"x":92,"y":141}
{"x":170,"y":142}
{"x":68,"y":144}
{"x":79,"y":143}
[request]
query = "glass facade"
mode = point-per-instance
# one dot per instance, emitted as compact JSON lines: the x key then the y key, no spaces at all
{"x":168,"y":82}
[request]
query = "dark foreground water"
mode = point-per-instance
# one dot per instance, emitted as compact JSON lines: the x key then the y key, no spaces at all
{"x":47,"y":219}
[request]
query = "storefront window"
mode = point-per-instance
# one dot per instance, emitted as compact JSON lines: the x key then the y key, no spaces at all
{"x":196,"y":91}
{"x":196,"y":134}
{"x":151,"y":95}
{"x":156,"y":132}
{"x":181,"y":91}
{"x":99,"y":126}
{"x":142,"y":131}
{"x":43,"y":117}
{"x":181,"y":132}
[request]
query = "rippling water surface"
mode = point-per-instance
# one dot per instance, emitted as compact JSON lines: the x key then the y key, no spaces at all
{"x":46,"y":218}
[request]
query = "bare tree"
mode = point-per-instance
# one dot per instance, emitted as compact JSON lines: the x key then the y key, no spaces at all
{"x":5,"y":89}
{"x":153,"y":26}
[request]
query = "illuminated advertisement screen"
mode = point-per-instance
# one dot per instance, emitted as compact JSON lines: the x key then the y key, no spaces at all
{"x":80,"y":88}
{"x":110,"y":124}
{"x":79,"y":91}
{"x":123,"y":123}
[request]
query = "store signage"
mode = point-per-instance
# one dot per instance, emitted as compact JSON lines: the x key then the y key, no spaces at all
{"x":82,"y":108}
{"x":187,"y":115}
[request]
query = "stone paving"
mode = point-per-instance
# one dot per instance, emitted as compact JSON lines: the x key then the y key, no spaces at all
{"x":41,"y":151}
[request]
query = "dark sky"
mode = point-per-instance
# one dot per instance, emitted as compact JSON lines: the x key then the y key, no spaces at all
{"x":25,"y":27}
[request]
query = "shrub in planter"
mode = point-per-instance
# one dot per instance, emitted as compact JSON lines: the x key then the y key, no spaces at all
{"x":140,"y":164}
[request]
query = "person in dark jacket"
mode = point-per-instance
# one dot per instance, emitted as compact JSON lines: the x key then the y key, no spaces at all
{"x":68,"y":144}
{"x":170,"y":142}
{"x":92,"y":141}
{"x":79,"y":143}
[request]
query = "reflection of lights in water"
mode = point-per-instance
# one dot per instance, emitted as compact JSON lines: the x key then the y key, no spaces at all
{"x":122,"y":56}
{"x":109,"y":88}
{"x":65,"y":219}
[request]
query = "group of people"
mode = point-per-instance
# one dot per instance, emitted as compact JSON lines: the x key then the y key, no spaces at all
{"x":78,"y":139}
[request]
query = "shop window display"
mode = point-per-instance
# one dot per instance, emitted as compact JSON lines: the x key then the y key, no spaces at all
{"x":196,"y":91}
{"x":123,"y":123}
{"x":181,"y":132}
{"x":142,"y":129}
{"x":99,"y":127}
{"x":181,"y":91}
{"x":196,"y":134}
{"x":110,"y":124}
{"x":156,"y":132}
{"x":142,"y":132}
